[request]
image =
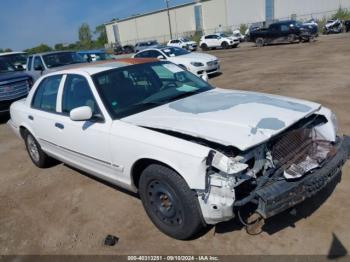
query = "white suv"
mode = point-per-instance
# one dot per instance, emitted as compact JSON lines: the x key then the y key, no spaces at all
{"x":183,"y":43}
{"x":217,"y":41}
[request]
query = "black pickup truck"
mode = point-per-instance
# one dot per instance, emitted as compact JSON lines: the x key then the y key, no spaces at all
{"x":281,"y":32}
{"x":14,"y":84}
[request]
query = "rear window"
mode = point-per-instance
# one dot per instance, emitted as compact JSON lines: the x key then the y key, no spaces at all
{"x":46,"y":94}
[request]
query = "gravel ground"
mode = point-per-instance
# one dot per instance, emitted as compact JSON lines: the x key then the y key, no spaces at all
{"x":63,"y":211}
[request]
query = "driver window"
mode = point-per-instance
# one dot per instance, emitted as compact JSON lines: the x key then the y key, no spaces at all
{"x":77,"y":93}
{"x":38,"y":63}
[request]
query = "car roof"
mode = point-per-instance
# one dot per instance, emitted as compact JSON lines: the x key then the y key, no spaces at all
{"x":97,"y":67}
{"x":12,"y":53}
{"x":54,"y":52}
{"x":96,"y":51}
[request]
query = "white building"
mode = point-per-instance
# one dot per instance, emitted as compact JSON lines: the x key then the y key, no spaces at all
{"x":210,"y":16}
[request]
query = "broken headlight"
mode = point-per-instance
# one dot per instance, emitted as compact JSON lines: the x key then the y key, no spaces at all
{"x":225,"y":164}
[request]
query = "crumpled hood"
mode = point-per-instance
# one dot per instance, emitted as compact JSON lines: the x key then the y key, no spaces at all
{"x":236,"y":118}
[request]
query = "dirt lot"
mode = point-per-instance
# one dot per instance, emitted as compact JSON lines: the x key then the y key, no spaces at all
{"x":61,"y":211}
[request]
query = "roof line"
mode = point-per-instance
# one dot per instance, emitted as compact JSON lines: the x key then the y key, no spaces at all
{"x":152,"y":12}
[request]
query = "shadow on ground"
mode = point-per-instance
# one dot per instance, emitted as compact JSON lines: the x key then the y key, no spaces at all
{"x":4,"y":118}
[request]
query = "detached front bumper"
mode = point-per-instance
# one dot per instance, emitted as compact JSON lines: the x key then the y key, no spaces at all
{"x":283,"y":194}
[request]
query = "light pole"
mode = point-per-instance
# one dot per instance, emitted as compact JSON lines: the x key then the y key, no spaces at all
{"x":167,"y":7}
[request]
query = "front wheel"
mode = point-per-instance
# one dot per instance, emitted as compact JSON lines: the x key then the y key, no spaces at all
{"x":204,"y":47}
{"x":225,"y":45}
{"x":171,"y":205}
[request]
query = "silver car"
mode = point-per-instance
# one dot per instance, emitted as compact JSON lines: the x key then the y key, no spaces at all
{"x":43,"y":63}
{"x":146,"y":45}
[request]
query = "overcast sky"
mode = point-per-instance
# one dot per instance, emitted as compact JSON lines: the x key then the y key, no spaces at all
{"x":27,"y":23}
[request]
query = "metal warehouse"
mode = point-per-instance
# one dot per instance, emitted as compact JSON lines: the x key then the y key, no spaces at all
{"x":211,"y":16}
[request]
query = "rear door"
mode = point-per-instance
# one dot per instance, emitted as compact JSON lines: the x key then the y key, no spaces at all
{"x":43,"y":112}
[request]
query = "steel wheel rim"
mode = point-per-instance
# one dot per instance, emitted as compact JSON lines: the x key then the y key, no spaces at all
{"x":32,"y":148}
{"x":164,"y":203}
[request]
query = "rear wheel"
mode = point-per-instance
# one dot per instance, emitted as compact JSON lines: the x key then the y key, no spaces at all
{"x":36,"y":154}
{"x":259,"y":42}
{"x":291,"y":38}
{"x":171,"y":205}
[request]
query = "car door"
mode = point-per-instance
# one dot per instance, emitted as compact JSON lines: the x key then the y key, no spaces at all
{"x":210,"y":40}
{"x":42,"y":114}
{"x":84,"y":144}
{"x":38,"y":68}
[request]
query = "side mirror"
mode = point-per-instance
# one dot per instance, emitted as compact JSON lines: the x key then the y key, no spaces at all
{"x":38,"y":68}
{"x":19,"y":67}
{"x":82,"y":113}
{"x":160,"y":57}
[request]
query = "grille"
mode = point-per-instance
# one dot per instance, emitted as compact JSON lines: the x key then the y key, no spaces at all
{"x":299,"y":146}
{"x":291,"y":146}
{"x":14,"y":90}
{"x":212,"y":63}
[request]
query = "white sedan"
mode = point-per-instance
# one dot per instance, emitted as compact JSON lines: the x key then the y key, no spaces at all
{"x":196,"y":63}
{"x":195,"y":154}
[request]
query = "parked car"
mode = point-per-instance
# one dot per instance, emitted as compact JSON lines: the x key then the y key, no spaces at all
{"x":312,"y":25}
{"x":195,"y":154}
{"x":14,"y":84}
{"x":43,"y":63}
{"x":196,"y":63}
{"x":17,"y":59}
{"x":333,"y":27}
{"x":126,"y":49}
{"x":236,"y":40}
{"x":145,"y":45}
{"x":281,"y":32}
{"x":217,"y":41}
{"x":183,"y":43}
{"x":347,"y":25}
{"x":94,"y":55}
{"x":237,"y":34}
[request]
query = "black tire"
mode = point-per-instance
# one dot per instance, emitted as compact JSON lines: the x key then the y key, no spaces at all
{"x":40,"y":159}
{"x":171,"y":205}
{"x":225,"y":45}
{"x":259,"y":42}
{"x":204,"y":47}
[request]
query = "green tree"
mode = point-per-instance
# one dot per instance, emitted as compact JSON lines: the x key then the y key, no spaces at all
{"x":101,"y":33}
{"x":39,"y":49}
{"x":1,"y":51}
{"x":342,"y":14}
{"x":243,"y":28}
{"x":59,"y":47}
{"x":85,"y":36}
{"x":8,"y":50}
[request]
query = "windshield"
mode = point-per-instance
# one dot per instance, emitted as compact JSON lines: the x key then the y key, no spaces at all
{"x":222,"y":35}
{"x":133,"y":89}
{"x":5,"y":66}
{"x":62,"y":59}
{"x":16,"y":59}
{"x":174,"y":51}
{"x":185,"y":40}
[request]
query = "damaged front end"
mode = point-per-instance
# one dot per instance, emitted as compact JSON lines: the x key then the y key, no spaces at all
{"x":275,"y":175}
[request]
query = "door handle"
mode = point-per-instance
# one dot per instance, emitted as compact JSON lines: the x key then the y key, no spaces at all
{"x":30,"y":117}
{"x":59,"y":125}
